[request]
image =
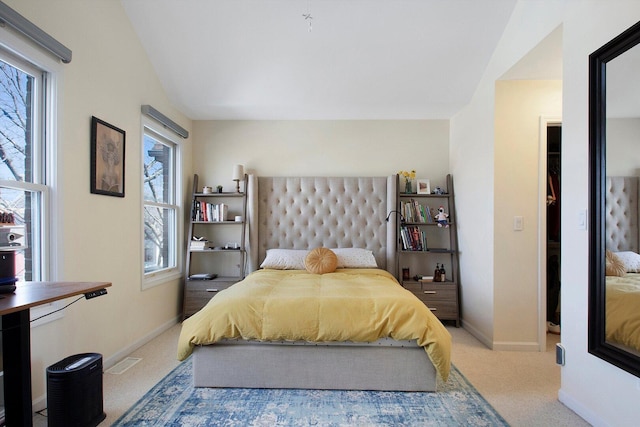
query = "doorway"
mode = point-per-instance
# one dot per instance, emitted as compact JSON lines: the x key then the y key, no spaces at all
{"x":550,"y":201}
{"x":554,"y":197}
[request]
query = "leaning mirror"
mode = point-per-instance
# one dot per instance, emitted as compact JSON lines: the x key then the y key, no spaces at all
{"x":614,"y":240}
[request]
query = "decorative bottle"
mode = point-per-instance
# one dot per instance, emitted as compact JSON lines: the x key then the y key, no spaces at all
{"x":436,"y":273}
{"x":443,"y":274}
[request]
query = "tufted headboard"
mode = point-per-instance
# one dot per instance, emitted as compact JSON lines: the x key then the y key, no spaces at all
{"x":334,"y":212}
{"x":621,"y":213}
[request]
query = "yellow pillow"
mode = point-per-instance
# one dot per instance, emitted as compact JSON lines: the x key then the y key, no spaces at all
{"x":613,"y":265}
{"x":320,"y":261}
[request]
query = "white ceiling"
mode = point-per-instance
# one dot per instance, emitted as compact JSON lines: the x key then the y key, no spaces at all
{"x":363,"y":59}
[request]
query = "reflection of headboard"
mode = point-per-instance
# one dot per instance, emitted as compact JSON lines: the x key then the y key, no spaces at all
{"x":308,"y":212}
{"x":621,"y":213}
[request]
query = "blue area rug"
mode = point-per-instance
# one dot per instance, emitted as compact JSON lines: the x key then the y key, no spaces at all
{"x":175,"y":402}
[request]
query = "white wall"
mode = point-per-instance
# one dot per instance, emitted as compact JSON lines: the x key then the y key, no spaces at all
{"x":110,"y":78}
{"x":321,"y":148}
{"x":519,"y":106}
{"x":473,"y":162}
{"x":600,"y":392}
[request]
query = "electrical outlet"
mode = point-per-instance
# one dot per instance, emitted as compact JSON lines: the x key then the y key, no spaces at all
{"x":559,"y":354}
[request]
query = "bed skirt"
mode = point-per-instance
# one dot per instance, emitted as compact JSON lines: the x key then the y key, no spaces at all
{"x":386,"y":364}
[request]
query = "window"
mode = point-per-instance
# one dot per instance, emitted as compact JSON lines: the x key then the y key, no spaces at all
{"x":161,"y":217}
{"x":23,"y":183}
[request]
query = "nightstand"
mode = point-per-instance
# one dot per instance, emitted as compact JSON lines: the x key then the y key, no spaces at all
{"x":440,"y":297}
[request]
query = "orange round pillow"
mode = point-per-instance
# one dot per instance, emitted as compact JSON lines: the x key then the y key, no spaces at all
{"x":613,"y":265}
{"x":320,"y":261}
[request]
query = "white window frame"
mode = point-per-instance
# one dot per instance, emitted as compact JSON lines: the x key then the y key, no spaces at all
{"x":52,"y":249}
{"x":160,"y":277}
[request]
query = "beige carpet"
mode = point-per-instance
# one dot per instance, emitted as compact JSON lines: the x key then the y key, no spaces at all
{"x":522,"y":386}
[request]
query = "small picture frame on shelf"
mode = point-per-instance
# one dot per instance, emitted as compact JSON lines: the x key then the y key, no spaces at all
{"x":423,"y":186}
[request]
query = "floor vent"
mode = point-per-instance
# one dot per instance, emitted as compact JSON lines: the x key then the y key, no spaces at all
{"x":123,"y":365}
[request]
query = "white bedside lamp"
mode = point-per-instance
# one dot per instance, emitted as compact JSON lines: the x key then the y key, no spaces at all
{"x":238,"y":175}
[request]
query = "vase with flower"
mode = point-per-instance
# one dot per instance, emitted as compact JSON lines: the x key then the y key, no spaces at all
{"x":408,"y":179}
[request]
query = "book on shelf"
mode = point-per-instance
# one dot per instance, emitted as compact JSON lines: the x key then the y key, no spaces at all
{"x":199,"y":244}
{"x":413,"y":238}
{"x":405,"y":239}
{"x":427,"y":214}
{"x":209,"y":212}
{"x":413,"y":211}
{"x":203,"y":276}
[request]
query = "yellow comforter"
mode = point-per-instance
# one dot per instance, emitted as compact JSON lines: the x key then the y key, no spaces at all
{"x":347,"y":305}
{"x":622,"y":321}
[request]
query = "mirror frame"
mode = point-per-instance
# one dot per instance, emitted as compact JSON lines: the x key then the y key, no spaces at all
{"x":598,"y":60}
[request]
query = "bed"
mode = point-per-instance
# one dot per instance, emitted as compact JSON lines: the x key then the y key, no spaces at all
{"x":622,"y":264}
{"x":396,"y":343}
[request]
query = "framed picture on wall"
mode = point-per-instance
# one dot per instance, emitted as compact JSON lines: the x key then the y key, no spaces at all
{"x":107,"y":158}
{"x":424,"y":186}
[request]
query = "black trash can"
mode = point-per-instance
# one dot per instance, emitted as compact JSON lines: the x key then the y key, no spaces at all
{"x":74,"y":391}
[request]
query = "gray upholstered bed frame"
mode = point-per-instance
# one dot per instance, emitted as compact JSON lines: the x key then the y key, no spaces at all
{"x":308,"y":212}
{"x":621,"y":217}
{"x":304,"y":213}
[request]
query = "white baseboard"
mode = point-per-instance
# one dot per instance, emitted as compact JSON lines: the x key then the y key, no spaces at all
{"x":40,"y":402}
{"x":515,"y":346}
{"x":477,"y":334}
{"x":580,"y":409}
{"x":126,"y":351}
{"x":499,"y":345}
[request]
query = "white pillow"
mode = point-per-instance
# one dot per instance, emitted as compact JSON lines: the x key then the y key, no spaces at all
{"x":630,"y":260}
{"x":285,"y":259}
{"x":355,"y":258}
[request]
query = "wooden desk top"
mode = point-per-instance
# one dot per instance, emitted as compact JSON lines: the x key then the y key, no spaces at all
{"x":31,"y":294}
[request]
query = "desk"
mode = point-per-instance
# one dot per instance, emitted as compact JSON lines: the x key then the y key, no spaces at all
{"x":16,"y":340}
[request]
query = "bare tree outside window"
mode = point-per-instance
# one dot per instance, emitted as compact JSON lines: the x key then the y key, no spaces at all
{"x":16,"y":153}
{"x":15,"y":105}
{"x":159,"y":209}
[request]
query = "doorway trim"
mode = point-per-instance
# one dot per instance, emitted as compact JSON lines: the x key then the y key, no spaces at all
{"x":545,"y":121}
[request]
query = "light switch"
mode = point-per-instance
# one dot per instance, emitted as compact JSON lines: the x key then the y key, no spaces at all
{"x":518,"y":223}
{"x":582,"y":220}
